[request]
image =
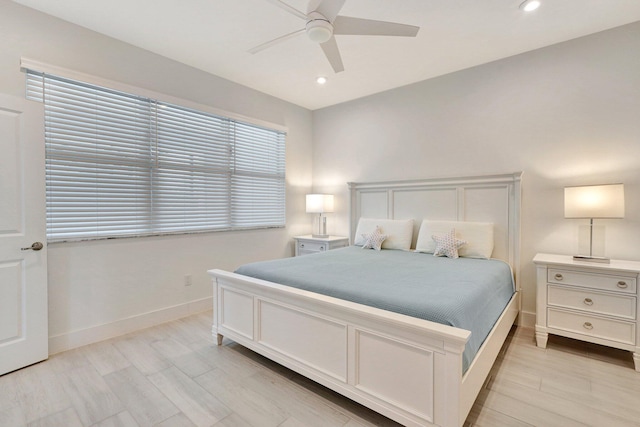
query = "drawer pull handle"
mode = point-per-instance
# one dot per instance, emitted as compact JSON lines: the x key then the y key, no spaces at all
{"x":558,"y":276}
{"x":302,"y":245}
{"x":588,"y":325}
{"x":622,"y":284}
{"x":322,"y":248}
{"x":588,"y":301}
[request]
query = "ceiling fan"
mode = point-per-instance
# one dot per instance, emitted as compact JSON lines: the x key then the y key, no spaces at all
{"x":323,"y":23}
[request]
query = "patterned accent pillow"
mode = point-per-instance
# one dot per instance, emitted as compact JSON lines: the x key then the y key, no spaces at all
{"x":374,"y":239}
{"x":447,"y":244}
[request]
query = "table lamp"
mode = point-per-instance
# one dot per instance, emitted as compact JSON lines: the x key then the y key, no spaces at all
{"x":320,"y":204}
{"x":594,"y":201}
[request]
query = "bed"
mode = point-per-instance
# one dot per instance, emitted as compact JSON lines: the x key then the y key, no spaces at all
{"x":411,"y":369}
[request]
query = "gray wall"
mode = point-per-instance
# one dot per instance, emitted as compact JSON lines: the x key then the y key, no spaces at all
{"x":111,"y":282}
{"x":568,"y":114}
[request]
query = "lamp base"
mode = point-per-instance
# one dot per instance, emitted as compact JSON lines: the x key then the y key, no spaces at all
{"x":322,"y":227}
{"x":587,"y":258}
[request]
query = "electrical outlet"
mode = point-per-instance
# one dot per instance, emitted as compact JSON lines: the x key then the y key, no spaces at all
{"x":187,"y":280}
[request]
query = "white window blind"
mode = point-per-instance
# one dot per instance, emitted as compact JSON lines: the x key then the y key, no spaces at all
{"x":125,"y":165}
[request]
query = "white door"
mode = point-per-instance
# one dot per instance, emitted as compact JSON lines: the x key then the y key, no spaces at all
{"x":23,"y":271}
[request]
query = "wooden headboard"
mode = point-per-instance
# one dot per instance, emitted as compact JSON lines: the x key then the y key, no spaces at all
{"x":491,"y":198}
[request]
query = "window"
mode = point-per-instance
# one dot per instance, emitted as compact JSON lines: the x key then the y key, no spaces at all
{"x":124,"y":165}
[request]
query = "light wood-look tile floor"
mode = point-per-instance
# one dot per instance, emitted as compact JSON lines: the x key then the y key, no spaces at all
{"x":173,"y":375}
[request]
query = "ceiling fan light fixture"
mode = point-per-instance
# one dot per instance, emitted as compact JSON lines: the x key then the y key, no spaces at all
{"x":319,"y":29}
{"x":530,"y":5}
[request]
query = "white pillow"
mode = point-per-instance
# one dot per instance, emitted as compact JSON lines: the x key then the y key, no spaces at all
{"x":399,"y":232}
{"x":478,"y":235}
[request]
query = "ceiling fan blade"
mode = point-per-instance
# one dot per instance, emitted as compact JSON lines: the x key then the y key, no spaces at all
{"x":345,"y":25}
{"x":270,"y":43}
{"x":330,"y":49}
{"x":327,"y":8}
{"x":292,"y":10}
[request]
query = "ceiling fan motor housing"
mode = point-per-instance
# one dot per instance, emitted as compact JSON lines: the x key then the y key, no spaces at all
{"x":319,"y":29}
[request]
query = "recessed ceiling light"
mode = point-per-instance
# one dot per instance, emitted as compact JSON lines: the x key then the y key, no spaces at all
{"x":321,"y":80}
{"x":530,"y":5}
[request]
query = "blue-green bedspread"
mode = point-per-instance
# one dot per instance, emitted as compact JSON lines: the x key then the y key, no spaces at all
{"x":466,"y":293}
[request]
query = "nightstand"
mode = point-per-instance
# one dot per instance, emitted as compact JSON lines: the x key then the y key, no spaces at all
{"x":309,"y":245}
{"x":587,"y":301}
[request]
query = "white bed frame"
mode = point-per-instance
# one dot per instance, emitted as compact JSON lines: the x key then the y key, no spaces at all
{"x":406,"y":368}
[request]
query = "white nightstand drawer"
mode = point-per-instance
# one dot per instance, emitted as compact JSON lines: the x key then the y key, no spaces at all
{"x":609,"y":329}
{"x":311,"y":246}
{"x":597,"y":281}
{"x":594,"y":302}
{"x":308,"y":244}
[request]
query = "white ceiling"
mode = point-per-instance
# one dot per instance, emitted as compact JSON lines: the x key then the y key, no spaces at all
{"x":214,"y":36}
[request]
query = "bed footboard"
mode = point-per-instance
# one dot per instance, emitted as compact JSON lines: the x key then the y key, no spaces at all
{"x":405,"y":368}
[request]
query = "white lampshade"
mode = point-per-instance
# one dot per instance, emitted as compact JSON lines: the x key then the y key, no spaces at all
{"x":319,"y":203}
{"x":594,"y":201}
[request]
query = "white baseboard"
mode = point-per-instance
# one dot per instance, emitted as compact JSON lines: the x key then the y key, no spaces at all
{"x":79,"y":338}
{"x":527,"y":319}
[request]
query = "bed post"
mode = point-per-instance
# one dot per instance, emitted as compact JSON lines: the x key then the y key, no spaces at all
{"x":214,"y":326}
{"x":353,"y":212}
{"x":514,"y":233}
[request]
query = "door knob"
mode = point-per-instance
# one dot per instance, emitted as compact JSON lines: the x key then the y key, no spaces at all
{"x":36,"y":246}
